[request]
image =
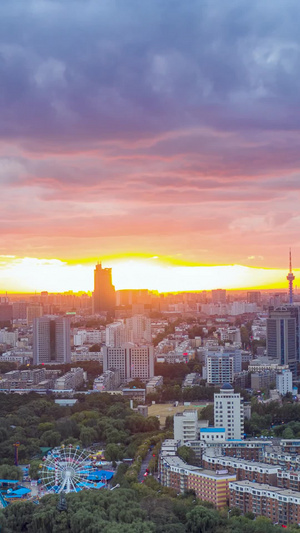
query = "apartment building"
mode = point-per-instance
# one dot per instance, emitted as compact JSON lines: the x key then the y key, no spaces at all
{"x":211,"y":486}
{"x":186,"y":426}
{"x":281,"y":506}
{"x":243,"y":469}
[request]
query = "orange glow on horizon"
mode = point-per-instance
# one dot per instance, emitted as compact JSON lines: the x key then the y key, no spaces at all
{"x":140,"y":272}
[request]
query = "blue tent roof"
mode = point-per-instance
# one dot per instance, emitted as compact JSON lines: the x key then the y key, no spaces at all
{"x":13,"y":481}
{"x":21,"y":491}
{"x":100,"y":474}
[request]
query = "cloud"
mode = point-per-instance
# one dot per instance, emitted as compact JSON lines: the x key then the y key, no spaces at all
{"x":161,"y":127}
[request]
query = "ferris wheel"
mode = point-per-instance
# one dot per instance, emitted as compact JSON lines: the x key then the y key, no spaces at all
{"x":67,"y":469}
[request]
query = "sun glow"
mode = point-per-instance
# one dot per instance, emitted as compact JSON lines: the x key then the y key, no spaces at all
{"x":32,"y":274}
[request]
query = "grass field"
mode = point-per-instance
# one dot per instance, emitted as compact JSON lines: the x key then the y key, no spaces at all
{"x":167,"y":409}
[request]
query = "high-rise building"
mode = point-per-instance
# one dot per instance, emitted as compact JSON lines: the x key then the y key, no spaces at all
{"x":34,"y":311}
{"x":6,"y":312}
{"x":282,"y":336}
{"x":51,"y":340}
{"x":254,"y":297}
{"x":219,"y":368}
{"x":133,"y":361}
{"x":140,"y":326}
{"x":104,"y":299}
{"x":229,"y":412}
{"x":284,"y":382}
{"x":115,"y":334}
{"x":218,"y":296}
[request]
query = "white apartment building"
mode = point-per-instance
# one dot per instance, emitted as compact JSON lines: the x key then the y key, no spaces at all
{"x":115,"y":334}
{"x":70,"y":380}
{"x":8,"y":337}
{"x":284,"y":382}
{"x":186,"y":426}
{"x":219,"y":368}
{"x":229,"y":412}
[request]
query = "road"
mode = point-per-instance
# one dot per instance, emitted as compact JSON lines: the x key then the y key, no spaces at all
{"x":144,"y":466}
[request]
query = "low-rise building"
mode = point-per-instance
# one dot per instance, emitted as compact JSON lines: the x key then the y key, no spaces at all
{"x":251,"y":470}
{"x":108,"y":381}
{"x":216,"y":435}
{"x":211,"y":486}
{"x":154,"y":383}
{"x":281,"y":506}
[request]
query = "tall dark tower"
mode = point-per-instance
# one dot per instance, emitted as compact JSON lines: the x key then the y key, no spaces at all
{"x":290,"y":277}
{"x":104,"y":298}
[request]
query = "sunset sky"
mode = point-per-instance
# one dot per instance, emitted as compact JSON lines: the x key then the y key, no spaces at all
{"x":158,"y":136}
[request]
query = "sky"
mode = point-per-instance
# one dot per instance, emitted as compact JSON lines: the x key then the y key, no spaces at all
{"x":161,"y":137}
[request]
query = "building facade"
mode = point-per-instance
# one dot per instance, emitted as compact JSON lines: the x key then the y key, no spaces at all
{"x":282,"y":342}
{"x":104,"y":299}
{"x":229,"y":412}
{"x":281,"y":506}
{"x":51,"y":340}
{"x":133,"y":362}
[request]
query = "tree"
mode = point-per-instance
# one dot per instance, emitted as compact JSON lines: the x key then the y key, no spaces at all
{"x":112,"y":452}
{"x":207,"y":414}
{"x":187,"y":454}
{"x":51,"y":439}
{"x":87,"y":436}
{"x":288,"y":433}
{"x":202,"y":520}
{"x":34,"y":469}
{"x":10,"y":472}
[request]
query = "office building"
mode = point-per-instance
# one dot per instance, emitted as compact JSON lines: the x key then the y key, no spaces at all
{"x":282,"y":337}
{"x":229,"y":412}
{"x":104,"y":299}
{"x":51,"y":340}
{"x":134,"y":362}
{"x":284,"y":382}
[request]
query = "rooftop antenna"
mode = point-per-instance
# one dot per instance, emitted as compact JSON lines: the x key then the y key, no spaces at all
{"x":290,"y":277}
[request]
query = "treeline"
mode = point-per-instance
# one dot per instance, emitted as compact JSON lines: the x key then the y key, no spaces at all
{"x":142,"y":508}
{"x":37,"y":422}
{"x":172,"y":393}
{"x":274,"y":419}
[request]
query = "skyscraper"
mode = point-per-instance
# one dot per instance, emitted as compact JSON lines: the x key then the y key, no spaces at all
{"x":51,"y":340}
{"x":104,"y":299}
{"x":282,"y":326}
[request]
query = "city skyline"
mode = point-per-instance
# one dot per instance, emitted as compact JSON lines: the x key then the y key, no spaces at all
{"x":56,"y":276}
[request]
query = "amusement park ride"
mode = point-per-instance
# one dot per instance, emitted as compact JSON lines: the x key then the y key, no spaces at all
{"x":71,"y":469}
{"x":63,"y":470}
